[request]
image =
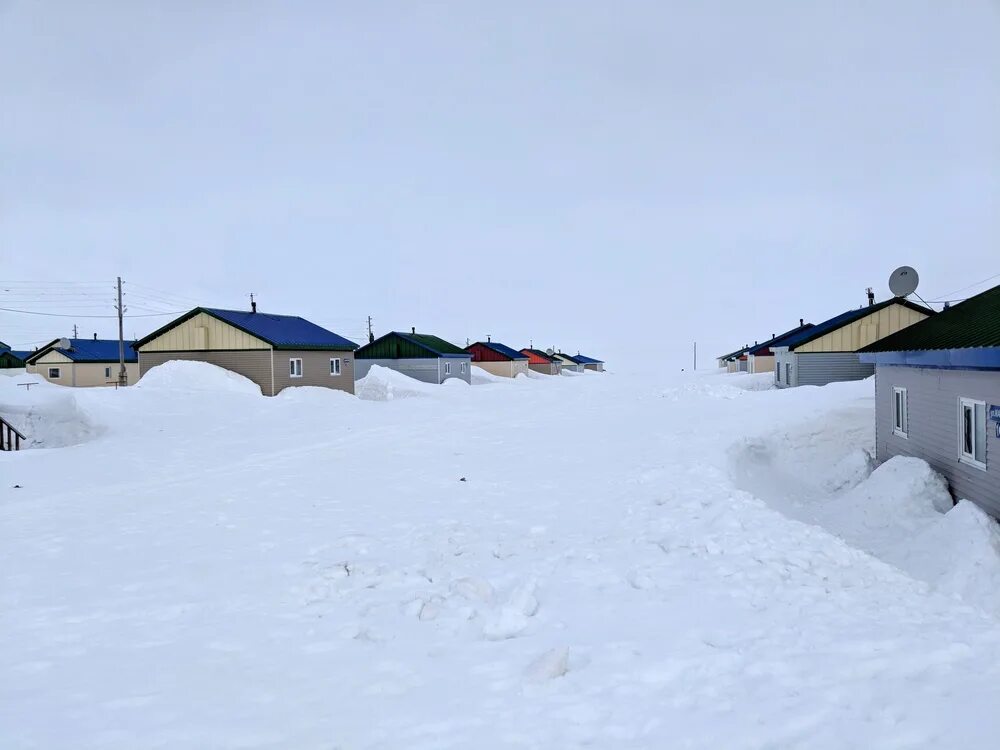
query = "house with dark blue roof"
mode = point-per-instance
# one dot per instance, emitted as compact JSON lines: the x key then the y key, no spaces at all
{"x":498,"y":359}
{"x":760,"y":357}
{"x":84,"y":362}
{"x":569,"y":362}
{"x":421,"y":356}
{"x":828,"y":352}
{"x":274,"y":351}
{"x":589,"y":363}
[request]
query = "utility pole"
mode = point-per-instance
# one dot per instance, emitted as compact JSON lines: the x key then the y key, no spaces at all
{"x":371,"y":336}
{"x":695,"y":355}
{"x":74,"y":331}
{"x":122,"y":372}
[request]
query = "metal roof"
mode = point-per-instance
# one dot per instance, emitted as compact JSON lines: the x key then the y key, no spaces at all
{"x":88,"y":350}
{"x":779,"y":339}
{"x":588,"y":360}
{"x":433,"y":343}
{"x":539,"y":353}
{"x":570,"y":357}
{"x":280,"y":331}
{"x":501,"y":349}
{"x":845,"y":318}
{"x":974,"y":323}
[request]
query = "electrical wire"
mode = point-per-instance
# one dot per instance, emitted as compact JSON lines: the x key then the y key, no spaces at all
{"x":70,"y":315}
{"x":956,"y":291}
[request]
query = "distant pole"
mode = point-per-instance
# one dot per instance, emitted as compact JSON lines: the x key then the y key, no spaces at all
{"x":74,"y":331}
{"x":371,"y":336}
{"x":122,"y":373}
{"x":695,"y":355}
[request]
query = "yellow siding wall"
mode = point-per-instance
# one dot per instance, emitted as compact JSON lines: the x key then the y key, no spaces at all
{"x":862,"y":332}
{"x":83,"y":374}
{"x":203,"y":332}
{"x":762,"y":363}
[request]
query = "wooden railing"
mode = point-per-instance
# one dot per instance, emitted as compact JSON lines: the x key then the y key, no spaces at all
{"x":10,"y":438}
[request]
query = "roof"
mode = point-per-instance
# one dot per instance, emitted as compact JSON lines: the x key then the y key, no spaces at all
{"x":539,"y":353}
{"x":280,"y":331}
{"x":501,"y":349}
{"x":588,"y":360}
{"x":570,"y":357}
{"x":779,"y":339}
{"x":737,"y":353}
{"x":4,"y":347}
{"x":846,"y":318}
{"x":969,"y":324}
{"x":433,"y":345}
{"x":88,"y":350}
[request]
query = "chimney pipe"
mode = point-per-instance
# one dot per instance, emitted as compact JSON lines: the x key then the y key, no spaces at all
{"x":253,"y":307}
{"x":871,"y":296}
{"x":95,"y":337}
{"x":488,"y":339}
{"x":413,"y":329}
{"x":802,"y":322}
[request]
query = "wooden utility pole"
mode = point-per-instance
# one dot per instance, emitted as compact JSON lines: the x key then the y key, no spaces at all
{"x":371,"y":335}
{"x":122,"y":372}
{"x":74,"y":331}
{"x":695,"y":355}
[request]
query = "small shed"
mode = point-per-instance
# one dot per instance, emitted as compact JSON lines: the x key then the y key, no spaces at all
{"x":83,"y":363}
{"x":498,"y":359}
{"x":589,"y":363}
{"x":937,"y":396}
{"x":274,"y":351}
{"x":418,"y":355}
{"x":539,"y":361}
{"x":828,"y":351}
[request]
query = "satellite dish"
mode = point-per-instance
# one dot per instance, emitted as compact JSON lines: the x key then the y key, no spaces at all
{"x":903,"y":281}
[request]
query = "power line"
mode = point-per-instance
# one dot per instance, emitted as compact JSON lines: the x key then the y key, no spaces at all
{"x":70,"y":315}
{"x":956,"y":291}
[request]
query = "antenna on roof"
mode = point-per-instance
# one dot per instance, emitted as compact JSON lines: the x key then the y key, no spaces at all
{"x":903,"y":281}
{"x":871,"y":296}
{"x":253,"y":304}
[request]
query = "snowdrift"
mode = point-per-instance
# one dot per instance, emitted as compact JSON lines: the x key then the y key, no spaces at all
{"x":385,"y":384}
{"x":180,"y":376}
{"x":49,"y":416}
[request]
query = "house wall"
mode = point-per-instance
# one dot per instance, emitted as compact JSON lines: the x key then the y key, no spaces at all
{"x":871,"y":328}
{"x":742,"y":365}
{"x":254,"y":364}
{"x":759,"y":363}
{"x":81,"y":374}
{"x":732,"y":366}
{"x":457,"y":369}
{"x":315,"y":370}
{"x":932,"y":398}
{"x":820,"y":368}
{"x":598,"y":367}
{"x":203,"y":332}
{"x":549,"y":368}
{"x":424,"y":369}
{"x":784,"y":361}
{"x":508,"y":369}
{"x":571,"y":366}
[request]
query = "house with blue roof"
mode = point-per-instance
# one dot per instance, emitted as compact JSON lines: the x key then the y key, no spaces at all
{"x":569,"y":362}
{"x":828,"y":352}
{"x":83,"y":363}
{"x":589,"y":363}
{"x":421,"y":356}
{"x":498,"y":359}
{"x":12,"y":358}
{"x":760,"y":357}
{"x":274,"y":351}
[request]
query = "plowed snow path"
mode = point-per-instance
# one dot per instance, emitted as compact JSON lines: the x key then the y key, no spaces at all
{"x":231,"y":571}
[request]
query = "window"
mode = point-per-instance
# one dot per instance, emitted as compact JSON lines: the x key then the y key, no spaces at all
{"x":899,"y":416}
{"x":777,"y":373}
{"x":972,"y":432}
{"x":107,"y":372}
{"x":788,"y":373}
{"x":335,"y":366}
{"x":447,"y":368}
{"x":295,"y":368}
{"x":461,"y":368}
{"x":54,"y":373}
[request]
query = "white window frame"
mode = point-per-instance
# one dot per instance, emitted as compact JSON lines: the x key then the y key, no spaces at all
{"x":461,"y":368}
{"x":447,"y":368}
{"x":57,"y":371}
{"x":970,"y":458}
{"x":900,"y":414}
{"x":788,"y":373}
{"x":335,"y":367}
{"x":293,"y":370}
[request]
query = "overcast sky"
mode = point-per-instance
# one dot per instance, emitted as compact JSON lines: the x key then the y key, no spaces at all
{"x":619,"y":178}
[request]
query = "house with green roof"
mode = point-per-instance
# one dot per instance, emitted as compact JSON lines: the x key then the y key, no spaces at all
{"x":421,"y":356}
{"x":937,"y":396}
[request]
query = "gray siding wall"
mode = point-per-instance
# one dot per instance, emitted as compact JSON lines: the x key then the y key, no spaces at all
{"x":932,"y":398}
{"x":254,"y":364}
{"x":820,"y":368}
{"x":456,"y":369}
{"x":549,"y":369}
{"x":315,"y":370}
{"x":426,"y":370}
{"x":789,"y":376}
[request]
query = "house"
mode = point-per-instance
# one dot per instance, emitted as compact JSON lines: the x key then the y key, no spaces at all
{"x":539,"y":361}
{"x":760,"y":357}
{"x":568,"y":362}
{"x":419,"y":355}
{"x":274,"y":351}
{"x":83,"y":362}
{"x":498,"y":359}
{"x":11,"y":359}
{"x":589,"y":363}
{"x":735,"y":361}
{"x":937,"y":396}
{"x":828,"y":351}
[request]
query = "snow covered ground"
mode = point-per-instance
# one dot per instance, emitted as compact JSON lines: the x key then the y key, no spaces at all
{"x":605,"y":561}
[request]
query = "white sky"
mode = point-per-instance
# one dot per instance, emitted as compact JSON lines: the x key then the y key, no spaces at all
{"x":615,"y":178}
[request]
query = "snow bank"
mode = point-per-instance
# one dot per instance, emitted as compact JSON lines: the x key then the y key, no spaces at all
{"x":385,"y":384}
{"x":483,"y":377}
{"x":184,"y":376}
{"x":49,"y":416}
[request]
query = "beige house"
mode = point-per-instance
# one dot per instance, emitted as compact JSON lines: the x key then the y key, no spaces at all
{"x":83,"y":362}
{"x":498,"y":359}
{"x":274,"y":351}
